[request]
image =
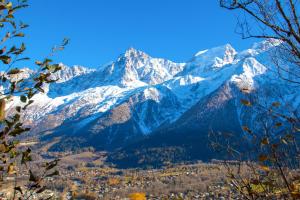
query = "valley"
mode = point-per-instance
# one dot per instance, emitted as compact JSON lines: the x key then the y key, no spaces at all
{"x":85,"y":176}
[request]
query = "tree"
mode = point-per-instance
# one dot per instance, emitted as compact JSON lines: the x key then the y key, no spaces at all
{"x":277,"y":20}
{"x":272,"y":159}
{"x":15,"y":86}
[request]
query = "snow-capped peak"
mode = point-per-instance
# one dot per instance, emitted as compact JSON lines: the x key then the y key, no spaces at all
{"x":134,"y":53}
{"x":266,"y":44}
{"x":225,"y":51}
{"x":135,"y":67}
{"x":209,"y":60}
{"x":67,"y":73}
{"x":259,"y":47}
{"x":219,"y":55}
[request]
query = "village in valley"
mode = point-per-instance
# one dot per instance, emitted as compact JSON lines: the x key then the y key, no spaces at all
{"x":87,"y":176}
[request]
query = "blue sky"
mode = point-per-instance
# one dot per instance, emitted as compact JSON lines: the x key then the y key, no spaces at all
{"x":100,"y":30}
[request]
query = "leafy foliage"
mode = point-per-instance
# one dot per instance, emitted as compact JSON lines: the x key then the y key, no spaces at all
{"x":12,"y":156}
{"x":273,"y":155}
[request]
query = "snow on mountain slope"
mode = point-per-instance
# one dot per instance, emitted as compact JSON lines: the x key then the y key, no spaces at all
{"x":151,"y":92}
{"x":81,"y":92}
{"x":68,"y":73}
{"x":249,"y":69}
{"x":136,"y":67}
{"x":207,"y":62}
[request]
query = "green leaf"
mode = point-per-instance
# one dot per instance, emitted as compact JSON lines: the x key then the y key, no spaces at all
{"x":54,"y":68}
{"x":20,"y":59}
{"x":2,"y":6}
{"x":20,"y":6}
{"x":14,"y":71}
{"x":17,"y":131}
{"x":26,"y":156}
{"x":5,"y":59}
{"x":23,"y":98}
{"x":12,"y":49}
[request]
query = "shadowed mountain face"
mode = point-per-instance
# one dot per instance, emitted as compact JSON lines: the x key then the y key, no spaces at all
{"x":187,"y":138}
{"x":147,"y":110}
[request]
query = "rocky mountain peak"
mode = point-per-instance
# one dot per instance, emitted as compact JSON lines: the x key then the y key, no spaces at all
{"x":208,"y":61}
{"x":67,"y":73}
{"x":132,"y":53}
{"x":217,"y":55}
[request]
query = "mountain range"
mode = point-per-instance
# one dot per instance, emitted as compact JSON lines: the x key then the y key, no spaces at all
{"x":147,"y":110}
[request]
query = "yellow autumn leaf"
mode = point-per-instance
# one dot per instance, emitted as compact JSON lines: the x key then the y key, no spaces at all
{"x":2,"y":148}
{"x":2,"y":109}
{"x":262,"y":158}
{"x":245,"y":128}
{"x":113,"y":181}
{"x":264,"y":168}
{"x":265,"y":141}
{"x":245,"y":102}
{"x":137,"y":196}
{"x":276,"y":104}
{"x":9,"y":5}
{"x":295,"y":194}
{"x":11,"y":169}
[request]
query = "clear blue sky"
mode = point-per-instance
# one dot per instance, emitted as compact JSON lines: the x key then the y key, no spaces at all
{"x":102,"y":29}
